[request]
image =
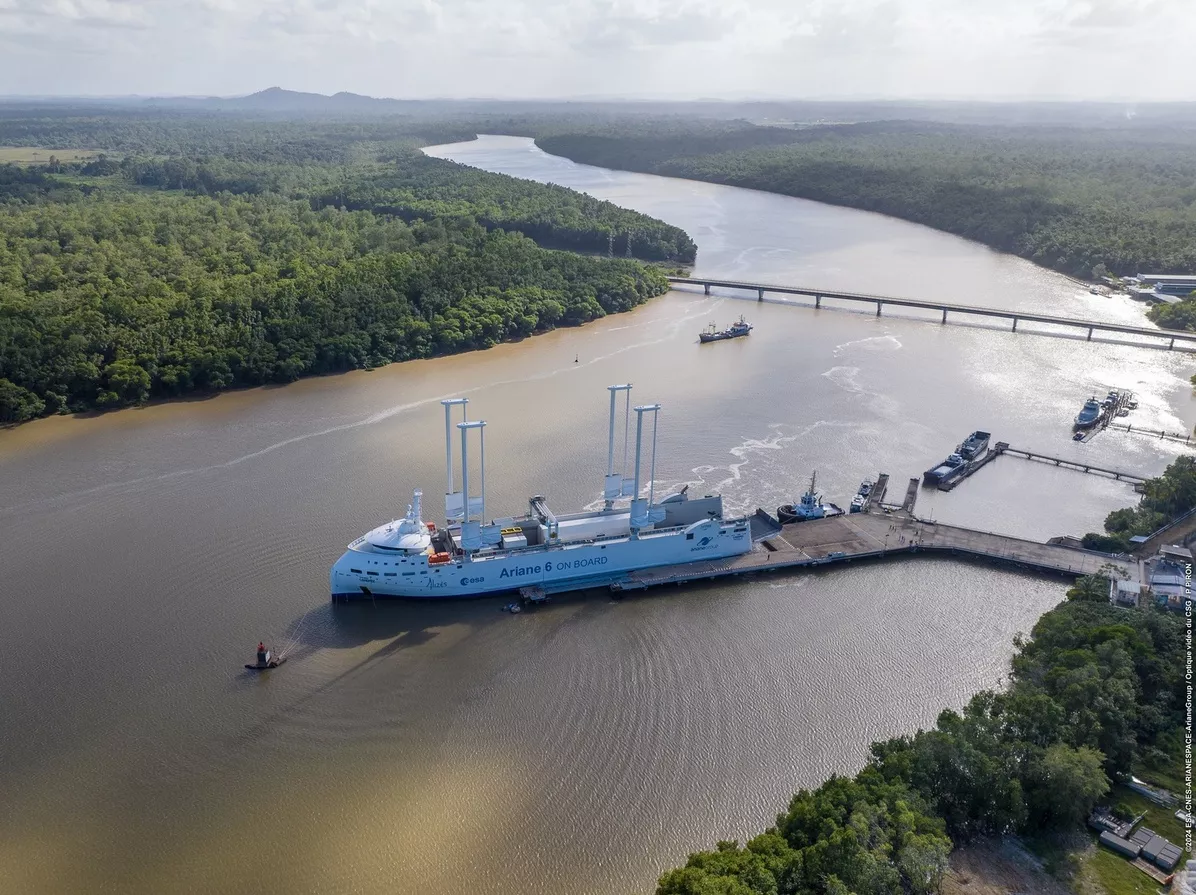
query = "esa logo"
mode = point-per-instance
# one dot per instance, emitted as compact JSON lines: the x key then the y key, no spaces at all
{"x":467,"y":581}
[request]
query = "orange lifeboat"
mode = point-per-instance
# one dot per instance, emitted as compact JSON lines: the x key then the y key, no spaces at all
{"x":438,"y":558}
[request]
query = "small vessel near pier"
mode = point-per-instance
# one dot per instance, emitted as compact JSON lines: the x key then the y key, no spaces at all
{"x":861,"y":497}
{"x":539,"y":552}
{"x":739,"y":328}
{"x":974,"y":445}
{"x":1090,"y":414}
{"x":951,"y":468}
{"x":810,"y":506}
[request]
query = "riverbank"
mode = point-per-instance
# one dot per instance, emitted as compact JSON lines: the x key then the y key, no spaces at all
{"x":1012,"y":761}
{"x":1096,"y":199}
{"x":264,"y":272}
{"x":434,"y":754}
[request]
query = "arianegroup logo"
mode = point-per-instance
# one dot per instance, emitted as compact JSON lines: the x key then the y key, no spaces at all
{"x":702,"y":544}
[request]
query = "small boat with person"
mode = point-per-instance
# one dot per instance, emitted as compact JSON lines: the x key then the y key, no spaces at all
{"x":265,"y":659}
{"x":739,"y":328}
{"x":809,"y":507}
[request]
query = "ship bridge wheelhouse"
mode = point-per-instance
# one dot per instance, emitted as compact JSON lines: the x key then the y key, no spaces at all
{"x":409,"y":536}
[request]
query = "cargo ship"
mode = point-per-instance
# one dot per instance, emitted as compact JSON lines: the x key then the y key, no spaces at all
{"x":974,"y":445}
{"x":739,"y":328}
{"x":469,"y":557}
{"x":950,"y":469}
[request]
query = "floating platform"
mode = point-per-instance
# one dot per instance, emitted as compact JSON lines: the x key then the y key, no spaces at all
{"x":880,"y":535}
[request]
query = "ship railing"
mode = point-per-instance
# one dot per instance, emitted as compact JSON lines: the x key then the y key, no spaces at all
{"x":491,"y":552}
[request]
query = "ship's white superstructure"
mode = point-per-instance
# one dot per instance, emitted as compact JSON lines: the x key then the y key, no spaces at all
{"x":469,"y":557}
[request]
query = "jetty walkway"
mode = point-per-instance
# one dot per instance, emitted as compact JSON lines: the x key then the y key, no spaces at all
{"x":1187,"y":340}
{"x":880,"y":534}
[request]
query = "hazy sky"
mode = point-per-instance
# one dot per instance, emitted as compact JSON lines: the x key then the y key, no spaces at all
{"x":1124,"y":49}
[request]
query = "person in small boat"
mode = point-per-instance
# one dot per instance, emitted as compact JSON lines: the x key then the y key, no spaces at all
{"x":261,"y":653}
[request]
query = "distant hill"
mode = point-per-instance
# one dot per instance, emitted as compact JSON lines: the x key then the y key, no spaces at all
{"x":276,"y":99}
{"x":280,"y":102}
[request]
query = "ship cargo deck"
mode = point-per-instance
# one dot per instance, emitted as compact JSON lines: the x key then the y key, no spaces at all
{"x":876,"y":535}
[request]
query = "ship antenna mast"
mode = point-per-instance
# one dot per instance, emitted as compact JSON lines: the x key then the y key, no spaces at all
{"x":471,"y":529}
{"x":452,"y":509}
{"x":641,"y":512}
{"x":615,"y":486}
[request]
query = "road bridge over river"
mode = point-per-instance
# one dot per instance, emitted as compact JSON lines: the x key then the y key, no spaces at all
{"x":1066,"y":326}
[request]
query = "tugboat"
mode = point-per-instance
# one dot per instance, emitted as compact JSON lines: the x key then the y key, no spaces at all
{"x":1090,"y":415}
{"x":739,"y":328}
{"x":808,"y":508}
{"x":861,"y":497}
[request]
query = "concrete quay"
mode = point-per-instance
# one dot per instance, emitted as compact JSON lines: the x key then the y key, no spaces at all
{"x":879,"y":534}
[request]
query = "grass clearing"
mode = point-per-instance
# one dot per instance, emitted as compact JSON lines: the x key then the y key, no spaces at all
{"x":1112,"y":874}
{"x":37,"y":155}
{"x":1162,"y":820}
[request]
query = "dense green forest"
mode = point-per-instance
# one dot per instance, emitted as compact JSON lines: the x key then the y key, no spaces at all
{"x":216,"y":252}
{"x":1164,"y":498}
{"x":1181,"y":315}
{"x":1081,"y":201}
{"x":1095,"y":693}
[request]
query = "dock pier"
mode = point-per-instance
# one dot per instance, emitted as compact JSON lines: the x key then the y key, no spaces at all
{"x":1002,"y":448}
{"x":878,"y":535}
{"x":1078,"y":465}
{"x":877,"y":495}
{"x":911,"y":496}
{"x":1153,"y":433}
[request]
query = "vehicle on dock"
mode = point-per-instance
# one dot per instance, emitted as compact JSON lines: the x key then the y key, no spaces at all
{"x":861,"y":497}
{"x":809,"y":507}
{"x":739,"y":328}
{"x":1090,"y":414}
{"x":950,"y":469}
{"x":974,"y":445}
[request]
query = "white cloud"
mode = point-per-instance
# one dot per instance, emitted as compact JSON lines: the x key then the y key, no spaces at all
{"x":1011,"y":48}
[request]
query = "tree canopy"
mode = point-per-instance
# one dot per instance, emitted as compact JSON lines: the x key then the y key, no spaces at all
{"x":221,"y":252}
{"x":1074,"y":199}
{"x":1094,"y":693}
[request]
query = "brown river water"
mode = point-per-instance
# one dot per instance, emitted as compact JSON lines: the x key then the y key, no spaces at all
{"x":585,"y":747}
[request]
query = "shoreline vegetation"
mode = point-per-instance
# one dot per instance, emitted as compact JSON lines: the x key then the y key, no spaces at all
{"x":215,"y":254}
{"x":1165,"y":499}
{"x":1082,"y":201}
{"x":177,"y":249}
{"x":1095,"y":694}
{"x":178,"y":252}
